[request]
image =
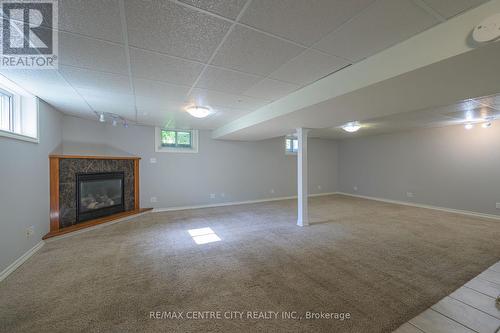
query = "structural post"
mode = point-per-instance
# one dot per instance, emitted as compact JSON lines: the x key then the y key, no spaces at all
{"x":302,"y":191}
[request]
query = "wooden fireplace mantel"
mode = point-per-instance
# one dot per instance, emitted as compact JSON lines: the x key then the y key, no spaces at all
{"x":55,"y":229}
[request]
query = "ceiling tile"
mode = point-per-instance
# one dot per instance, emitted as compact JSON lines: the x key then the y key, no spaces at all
{"x":382,"y":25}
{"x":449,"y":8}
{"x":50,"y":86}
{"x":96,"y":81}
{"x":271,"y":90}
{"x":102,"y":101}
{"x":92,"y":54}
{"x":226,"y":80}
{"x":226,"y":8}
{"x":217,"y":99}
{"x":492,"y":101}
{"x":301,"y":21}
{"x":95,"y":18}
{"x":477,"y":114}
{"x":170,"y":28}
{"x":308,"y":67}
{"x":151,"y":95}
{"x":155,"y":66}
{"x":250,"y":51}
{"x":182,"y":120}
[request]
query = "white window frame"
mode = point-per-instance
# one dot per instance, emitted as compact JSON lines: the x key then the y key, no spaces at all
{"x":288,"y":152}
{"x":20,"y":107}
{"x":190,"y":150}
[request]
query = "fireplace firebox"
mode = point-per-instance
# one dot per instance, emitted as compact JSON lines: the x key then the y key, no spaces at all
{"x":99,"y":194}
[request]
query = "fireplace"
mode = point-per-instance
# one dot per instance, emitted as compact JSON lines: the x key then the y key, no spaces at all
{"x":99,"y":194}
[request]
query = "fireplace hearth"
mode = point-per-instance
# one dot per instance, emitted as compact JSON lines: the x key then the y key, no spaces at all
{"x":99,"y":194}
{"x":88,"y":190}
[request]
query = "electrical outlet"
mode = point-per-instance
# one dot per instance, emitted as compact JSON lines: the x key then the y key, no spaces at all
{"x":212,"y":195}
{"x":271,"y":191}
{"x":320,"y":187}
{"x":152,"y":160}
{"x":30,"y":231}
{"x":153,"y":199}
{"x":410,"y":194}
{"x":498,"y":205}
{"x":355,"y":188}
{"x":222,"y":195}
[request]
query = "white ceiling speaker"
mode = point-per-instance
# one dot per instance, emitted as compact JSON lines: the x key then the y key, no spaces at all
{"x":488,"y":30}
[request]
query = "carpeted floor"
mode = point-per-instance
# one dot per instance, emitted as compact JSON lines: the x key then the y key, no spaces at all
{"x":381,"y":263}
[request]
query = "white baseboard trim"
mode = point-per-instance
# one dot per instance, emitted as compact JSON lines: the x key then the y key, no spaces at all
{"x":19,"y":261}
{"x":406,"y":203}
{"x":235,"y":203}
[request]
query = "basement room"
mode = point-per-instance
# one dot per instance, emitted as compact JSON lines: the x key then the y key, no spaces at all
{"x":250,"y":166}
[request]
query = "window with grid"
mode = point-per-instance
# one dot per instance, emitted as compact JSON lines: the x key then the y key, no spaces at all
{"x":18,"y":112}
{"x":176,"y":139}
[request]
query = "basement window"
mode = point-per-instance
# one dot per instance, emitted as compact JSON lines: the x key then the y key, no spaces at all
{"x":18,"y":112}
{"x":291,"y":145}
{"x":176,"y":140}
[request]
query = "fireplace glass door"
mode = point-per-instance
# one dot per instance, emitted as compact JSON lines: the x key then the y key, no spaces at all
{"x":99,"y":194}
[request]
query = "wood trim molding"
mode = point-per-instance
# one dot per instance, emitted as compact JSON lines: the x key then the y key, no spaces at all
{"x":54,"y":171}
{"x":95,"y":157}
{"x":136,"y":185}
{"x":95,"y":222}
{"x":54,"y":193}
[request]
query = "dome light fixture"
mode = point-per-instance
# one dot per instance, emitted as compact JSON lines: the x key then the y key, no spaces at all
{"x":351,"y":127}
{"x":469,"y":126}
{"x":199,"y":111}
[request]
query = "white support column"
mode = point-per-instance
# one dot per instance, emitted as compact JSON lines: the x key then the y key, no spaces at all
{"x":302,"y":191}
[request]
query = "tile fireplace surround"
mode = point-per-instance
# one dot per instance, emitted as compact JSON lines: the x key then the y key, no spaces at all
{"x":63,"y":176}
{"x":69,"y":167}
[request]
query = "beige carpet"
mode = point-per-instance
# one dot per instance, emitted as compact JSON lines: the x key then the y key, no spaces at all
{"x":381,"y":263}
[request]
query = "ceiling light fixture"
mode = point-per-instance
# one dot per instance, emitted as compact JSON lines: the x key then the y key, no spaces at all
{"x":469,"y":126}
{"x":351,"y":127}
{"x":115,"y":119}
{"x":199,"y":111}
{"x":486,"y":125}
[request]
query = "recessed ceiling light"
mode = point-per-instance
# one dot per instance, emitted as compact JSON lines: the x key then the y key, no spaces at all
{"x":351,"y":127}
{"x":199,"y":111}
{"x":469,"y":126}
{"x":486,"y":125}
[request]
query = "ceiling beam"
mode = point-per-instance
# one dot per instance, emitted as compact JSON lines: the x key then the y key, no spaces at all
{"x":442,"y":42}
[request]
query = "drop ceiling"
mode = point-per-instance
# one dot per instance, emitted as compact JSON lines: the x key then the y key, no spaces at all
{"x":471,"y":111}
{"x":147,"y":60}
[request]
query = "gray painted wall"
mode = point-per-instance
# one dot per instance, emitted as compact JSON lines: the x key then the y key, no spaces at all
{"x":445,"y":167}
{"x":233,"y":171}
{"x":24,"y":189}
